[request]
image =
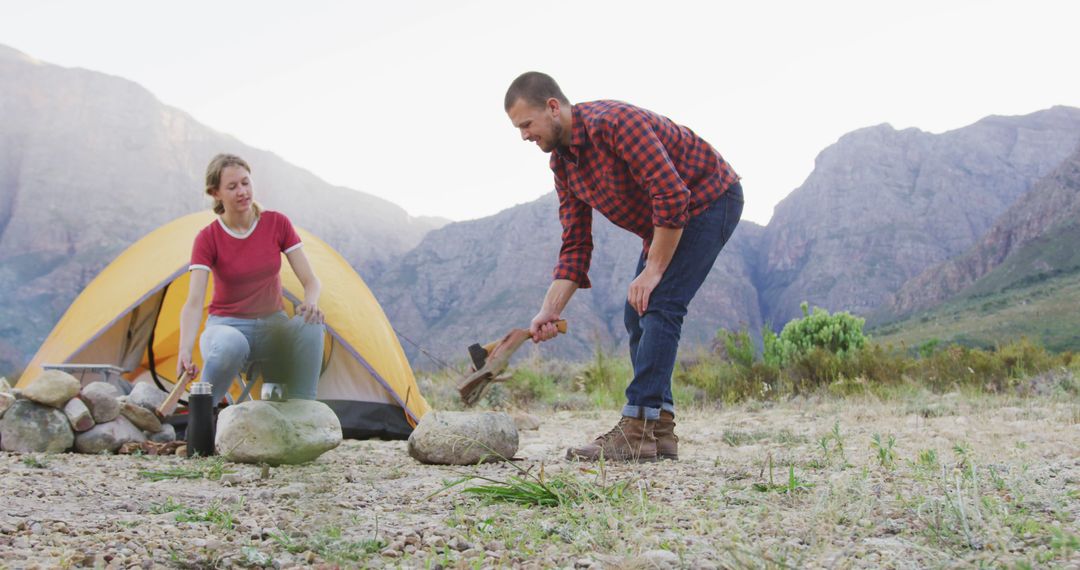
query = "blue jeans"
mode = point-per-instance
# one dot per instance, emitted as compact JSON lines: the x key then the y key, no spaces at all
{"x":654,"y":336}
{"x":287,"y":351}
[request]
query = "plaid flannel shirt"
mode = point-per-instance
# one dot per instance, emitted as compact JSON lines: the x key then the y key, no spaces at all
{"x":637,"y":168}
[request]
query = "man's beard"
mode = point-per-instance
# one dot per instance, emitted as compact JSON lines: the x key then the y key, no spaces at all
{"x":556,"y":135}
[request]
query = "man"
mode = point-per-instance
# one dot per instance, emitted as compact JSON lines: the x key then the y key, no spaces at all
{"x":658,"y":180}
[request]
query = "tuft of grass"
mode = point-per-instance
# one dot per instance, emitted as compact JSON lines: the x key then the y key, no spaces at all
{"x":537,"y":489}
{"x":35,"y":462}
{"x":209,"y":468}
{"x":928,"y":460}
{"x":167,"y":507}
{"x":605,"y":378}
{"x":962,"y":450}
{"x":793,"y":484}
{"x":736,"y":438}
{"x":832,"y":445}
{"x":216,"y":514}
{"x":883,"y":448}
{"x":332,"y":545}
{"x":254,"y":558}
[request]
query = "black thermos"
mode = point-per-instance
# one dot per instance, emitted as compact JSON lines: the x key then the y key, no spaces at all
{"x":200,"y":429}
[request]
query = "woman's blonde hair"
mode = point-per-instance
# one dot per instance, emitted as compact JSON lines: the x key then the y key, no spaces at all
{"x":213,"y":178}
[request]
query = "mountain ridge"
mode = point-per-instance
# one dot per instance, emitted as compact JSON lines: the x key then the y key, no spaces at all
{"x":882,"y":205}
{"x":1053,"y":201}
{"x":90,"y":162}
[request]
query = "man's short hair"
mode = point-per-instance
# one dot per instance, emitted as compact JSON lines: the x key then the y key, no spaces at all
{"x":535,"y":88}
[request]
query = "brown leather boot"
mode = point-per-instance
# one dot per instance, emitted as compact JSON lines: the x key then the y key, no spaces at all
{"x":667,"y":443}
{"x":631,"y":439}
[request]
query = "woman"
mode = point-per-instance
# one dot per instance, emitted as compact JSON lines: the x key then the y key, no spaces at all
{"x":247,"y":320}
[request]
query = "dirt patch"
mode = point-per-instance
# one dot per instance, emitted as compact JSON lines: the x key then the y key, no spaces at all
{"x":924,"y":481}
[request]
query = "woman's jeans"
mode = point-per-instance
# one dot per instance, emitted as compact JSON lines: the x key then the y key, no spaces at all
{"x":654,"y":336}
{"x":286,"y":351}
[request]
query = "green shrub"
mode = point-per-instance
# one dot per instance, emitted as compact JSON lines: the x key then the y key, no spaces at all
{"x":839,"y":334}
{"x":737,"y":347}
{"x":879,"y":364}
{"x":773,"y":353}
{"x":997,"y":370}
{"x":605,"y":378}
{"x":928,"y":348}
{"x":717,"y":380}
{"x":528,"y":386}
{"x":1024,"y":358}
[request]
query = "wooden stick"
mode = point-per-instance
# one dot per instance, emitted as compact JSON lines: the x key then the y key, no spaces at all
{"x":169,"y":405}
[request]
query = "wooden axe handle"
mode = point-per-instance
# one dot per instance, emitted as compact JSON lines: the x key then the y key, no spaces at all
{"x":560,"y":325}
{"x":169,"y":405}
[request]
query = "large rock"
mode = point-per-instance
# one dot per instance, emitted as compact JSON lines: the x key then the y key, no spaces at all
{"x":101,"y":398}
{"x":29,"y":427}
{"x":143,"y":418}
{"x":78,"y":415}
{"x":291,"y":432}
{"x":147,"y":395}
{"x":53,"y":388}
{"x":6,"y":400}
{"x":167,"y":434}
{"x":108,"y":436}
{"x":5,"y":386}
{"x":463,"y":438}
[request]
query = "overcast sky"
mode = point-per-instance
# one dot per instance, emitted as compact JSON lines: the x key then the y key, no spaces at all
{"x":404,"y":99}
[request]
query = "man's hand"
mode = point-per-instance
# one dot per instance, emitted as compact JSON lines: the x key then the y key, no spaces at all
{"x":543,"y":326}
{"x":184,"y":364}
{"x":311,"y":313}
{"x":641,"y":289}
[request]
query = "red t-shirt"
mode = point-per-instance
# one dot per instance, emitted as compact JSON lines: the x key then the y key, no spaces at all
{"x":246,"y":268}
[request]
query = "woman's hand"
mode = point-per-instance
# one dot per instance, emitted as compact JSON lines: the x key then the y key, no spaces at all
{"x":311,"y":313}
{"x":184,"y":364}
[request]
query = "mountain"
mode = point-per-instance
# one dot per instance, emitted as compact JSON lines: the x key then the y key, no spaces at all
{"x":1021,"y":280}
{"x":89,"y":163}
{"x":882,"y":205}
{"x":471,"y":281}
{"x":1052,"y":203}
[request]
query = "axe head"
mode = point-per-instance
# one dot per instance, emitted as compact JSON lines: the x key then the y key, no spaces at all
{"x":479,"y":355}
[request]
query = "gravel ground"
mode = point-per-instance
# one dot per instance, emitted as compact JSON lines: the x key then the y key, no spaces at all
{"x":950,"y":481}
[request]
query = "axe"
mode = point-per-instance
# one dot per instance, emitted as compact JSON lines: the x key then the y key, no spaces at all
{"x":490,"y":360}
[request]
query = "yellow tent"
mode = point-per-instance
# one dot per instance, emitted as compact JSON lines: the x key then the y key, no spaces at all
{"x":128,"y":317}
